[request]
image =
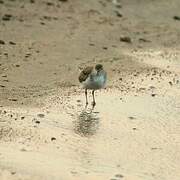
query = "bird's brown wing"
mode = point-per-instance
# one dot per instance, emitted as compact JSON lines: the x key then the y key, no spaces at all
{"x":85,"y":73}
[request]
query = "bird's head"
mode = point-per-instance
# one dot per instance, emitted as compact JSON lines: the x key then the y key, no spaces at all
{"x":99,"y":67}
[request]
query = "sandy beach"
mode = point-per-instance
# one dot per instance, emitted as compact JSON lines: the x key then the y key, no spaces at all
{"x":133,"y":132}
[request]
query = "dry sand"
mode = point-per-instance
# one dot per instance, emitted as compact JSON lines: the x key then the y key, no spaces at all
{"x":134,"y":131}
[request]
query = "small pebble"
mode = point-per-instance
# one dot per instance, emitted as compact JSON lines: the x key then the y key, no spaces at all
{"x":105,"y":48}
{"x":125,"y":39}
{"x":176,"y":18}
{"x":2,"y":42}
{"x":119,"y":176}
{"x":53,"y":139}
{"x":49,"y":4}
{"x":41,"y":115}
{"x":143,"y":40}
{"x":91,"y":44}
{"x":12,"y":43}
{"x":118,"y":14}
{"x":37,"y":122}
{"x":131,"y":117}
{"x":12,"y":99}
{"x":170,"y":83}
{"x":7,"y":17}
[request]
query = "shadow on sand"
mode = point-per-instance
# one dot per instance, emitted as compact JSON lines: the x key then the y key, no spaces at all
{"x":87,"y":122}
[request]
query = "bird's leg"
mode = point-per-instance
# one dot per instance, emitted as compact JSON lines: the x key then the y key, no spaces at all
{"x":93,"y":103}
{"x":86,"y":97}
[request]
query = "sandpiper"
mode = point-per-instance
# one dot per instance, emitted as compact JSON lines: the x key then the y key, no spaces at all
{"x":93,"y":78}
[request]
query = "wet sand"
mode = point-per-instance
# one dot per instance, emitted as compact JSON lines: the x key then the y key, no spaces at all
{"x":46,"y":132}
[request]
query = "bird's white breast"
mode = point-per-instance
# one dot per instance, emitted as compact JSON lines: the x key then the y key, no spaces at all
{"x":95,"y":81}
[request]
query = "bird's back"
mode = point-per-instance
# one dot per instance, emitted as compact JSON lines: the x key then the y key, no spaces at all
{"x":85,"y":73}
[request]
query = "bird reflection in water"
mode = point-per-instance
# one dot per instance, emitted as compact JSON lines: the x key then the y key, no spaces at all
{"x":87,"y":123}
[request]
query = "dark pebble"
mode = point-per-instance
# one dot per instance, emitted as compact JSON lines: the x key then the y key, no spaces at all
{"x":1,"y":2}
{"x":53,"y":139}
{"x":6,"y":80}
{"x":27,"y":55}
{"x":131,"y":117}
{"x":125,"y":39}
{"x":49,"y":4}
{"x":32,"y":1}
{"x":22,"y":117}
{"x":91,"y":44}
{"x":47,"y":17}
{"x":2,"y":42}
{"x":13,"y":99}
{"x":118,"y":14}
{"x":7,"y":17}
{"x":63,"y":0}
{"x":144,"y":40}
{"x":170,"y":83}
{"x":105,"y":48}
{"x":176,"y":18}
{"x":2,"y":86}
{"x":12,"y":43}
{"x":37,"y":122}
{"x":153,"y":95}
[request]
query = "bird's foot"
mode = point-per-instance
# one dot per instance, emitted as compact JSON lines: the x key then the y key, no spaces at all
{"x":93,"y":103}
{"x":86,"y":105}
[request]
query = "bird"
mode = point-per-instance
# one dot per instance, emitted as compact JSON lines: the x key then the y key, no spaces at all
{"x":93,"y":78}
